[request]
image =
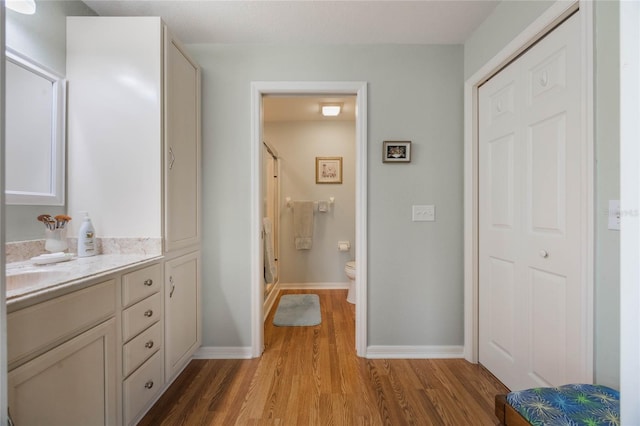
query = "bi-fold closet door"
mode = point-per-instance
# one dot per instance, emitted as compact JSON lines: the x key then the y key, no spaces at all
{"x":531,"y":289}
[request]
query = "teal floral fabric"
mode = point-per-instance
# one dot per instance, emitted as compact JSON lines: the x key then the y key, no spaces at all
{"x":569,"y":405}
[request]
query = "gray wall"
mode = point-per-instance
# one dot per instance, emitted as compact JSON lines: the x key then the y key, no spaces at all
{"x":298,"y":144}
{"x":607,"y":138}
{"x":41,"y":37}
{"x":508,"y":20}
{"x":415,"y":269}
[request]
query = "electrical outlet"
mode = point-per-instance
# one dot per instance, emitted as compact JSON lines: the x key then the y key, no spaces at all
{"x":424,"y":213}
{"x":614,"y":215}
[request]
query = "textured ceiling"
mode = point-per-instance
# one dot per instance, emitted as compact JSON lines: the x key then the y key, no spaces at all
{"x":310,"y":21}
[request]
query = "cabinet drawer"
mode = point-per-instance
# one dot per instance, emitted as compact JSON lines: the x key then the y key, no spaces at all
{"x":140,"y":316}
{"x":46,"y":324}
{"x":139,"y":284}
{"x":141,"y":387}
{"x":140,"y":348}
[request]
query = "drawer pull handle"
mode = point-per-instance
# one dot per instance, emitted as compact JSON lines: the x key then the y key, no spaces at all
{"x":148,"y":313}
{"x":149,"y":384}
{"x":149,"y":344}
{"x":148,"y":282}
{"x":172,"y":158}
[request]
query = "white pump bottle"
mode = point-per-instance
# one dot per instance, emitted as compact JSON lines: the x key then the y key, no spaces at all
{"x":86,"y":237}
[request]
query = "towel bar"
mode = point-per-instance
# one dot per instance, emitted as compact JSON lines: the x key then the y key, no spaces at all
{"x":289,"y":202}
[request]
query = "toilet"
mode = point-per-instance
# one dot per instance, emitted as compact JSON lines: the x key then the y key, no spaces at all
{"x":350,"y":269}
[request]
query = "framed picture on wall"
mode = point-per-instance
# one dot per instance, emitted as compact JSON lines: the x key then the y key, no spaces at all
{"x":328,"y":169}
{"x":396,"y":152}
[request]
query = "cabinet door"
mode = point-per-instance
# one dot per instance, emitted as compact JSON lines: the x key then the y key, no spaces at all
{"x":182,"y":146}
{"x":182,"y":311}
{"x":72,"y":384}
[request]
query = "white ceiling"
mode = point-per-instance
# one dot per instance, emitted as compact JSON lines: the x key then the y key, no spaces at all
{"x":310,"y":21}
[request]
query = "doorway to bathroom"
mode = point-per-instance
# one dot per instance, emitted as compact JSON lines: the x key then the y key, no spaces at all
{"x":308,"y":188}
{"x":338,"y":200}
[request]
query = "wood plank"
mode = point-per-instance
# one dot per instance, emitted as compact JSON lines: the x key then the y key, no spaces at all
{"x":311,"y":375}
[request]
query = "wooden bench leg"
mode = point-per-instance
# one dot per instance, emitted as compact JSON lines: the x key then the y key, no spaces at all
{"x":501,"y":401}
{"x":506,"y":414}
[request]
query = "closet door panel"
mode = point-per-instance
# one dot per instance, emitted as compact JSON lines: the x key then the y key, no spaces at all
{"x":547,"y":302}
{"x":500,"y":222}
{"x":530,"y":152}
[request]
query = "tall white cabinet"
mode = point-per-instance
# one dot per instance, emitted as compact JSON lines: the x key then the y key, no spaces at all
{"x":134,"y":130}
{"x":181,"y":147}
{"x":134,"y":156}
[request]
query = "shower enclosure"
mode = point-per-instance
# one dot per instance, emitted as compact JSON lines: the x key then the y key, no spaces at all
{"x":271,"y":223}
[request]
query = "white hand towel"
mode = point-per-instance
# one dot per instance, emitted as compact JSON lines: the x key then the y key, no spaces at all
{"x":323,"y":206}
{"x":303,"y":224}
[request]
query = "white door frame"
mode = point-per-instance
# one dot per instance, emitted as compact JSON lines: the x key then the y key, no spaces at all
{"x":258,"y":89}
{"x":549,"y":19}
{"x":630,"y":212}
{"x":3,"y":305}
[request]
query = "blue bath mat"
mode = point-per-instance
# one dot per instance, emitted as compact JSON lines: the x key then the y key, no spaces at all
{"x":298,"y":310}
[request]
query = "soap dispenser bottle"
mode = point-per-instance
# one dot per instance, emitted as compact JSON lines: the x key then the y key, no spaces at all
{"x":86,"y":237}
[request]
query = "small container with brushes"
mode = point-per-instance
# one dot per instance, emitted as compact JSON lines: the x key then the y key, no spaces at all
{"x":55,"y":232}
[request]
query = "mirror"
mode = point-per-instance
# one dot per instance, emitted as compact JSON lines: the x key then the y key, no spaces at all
{"x":35,"y":133}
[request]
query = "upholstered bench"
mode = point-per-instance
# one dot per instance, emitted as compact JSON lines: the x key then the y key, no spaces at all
{"x":570,"y":405}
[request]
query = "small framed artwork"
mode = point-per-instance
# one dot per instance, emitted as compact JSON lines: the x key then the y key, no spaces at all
{"x":396,"y":152}
{"x":328,"y":169}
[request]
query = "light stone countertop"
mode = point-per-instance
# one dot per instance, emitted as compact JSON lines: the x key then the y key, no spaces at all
{"x":28,"y":283}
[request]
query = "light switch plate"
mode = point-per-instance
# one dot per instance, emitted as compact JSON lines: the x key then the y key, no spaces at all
{"x":424,"y":213}
{"x":614,"y":215}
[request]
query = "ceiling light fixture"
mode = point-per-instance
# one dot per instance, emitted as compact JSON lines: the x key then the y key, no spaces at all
{"x":331,"y":110}
{"x":26,"y":7}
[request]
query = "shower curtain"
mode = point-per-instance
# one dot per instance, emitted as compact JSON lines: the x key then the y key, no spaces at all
{"x":271,"y":209}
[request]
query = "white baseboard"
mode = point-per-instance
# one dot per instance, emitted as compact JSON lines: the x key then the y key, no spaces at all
{"x":373,"y":352}
{"x":223,"y":352}
{"x":314,"y":286}
{"x":270,"y":300}
{"x":414,"y":352}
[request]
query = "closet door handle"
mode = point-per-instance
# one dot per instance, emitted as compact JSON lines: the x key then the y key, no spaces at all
{"x":544,"y":79}
{"x":173,"y":287}
{"x":172,"y":158}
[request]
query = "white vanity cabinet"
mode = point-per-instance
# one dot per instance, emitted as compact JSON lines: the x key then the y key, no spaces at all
{"x":62,"y":360}
{"x":134,"y":130}
{"x":142,"y":340}
{"x":182,"y":310}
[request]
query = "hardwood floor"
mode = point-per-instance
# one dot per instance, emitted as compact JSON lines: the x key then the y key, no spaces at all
{"x":312,"y":376}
